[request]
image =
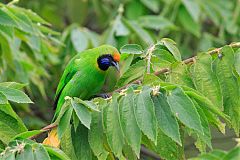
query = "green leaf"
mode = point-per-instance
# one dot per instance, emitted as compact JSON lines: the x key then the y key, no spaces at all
{"x":6,"y":108}
{"x":180,"y":74}
{"x":234,"y":154}
{"x":171,"y":46}
{"x":23,"y":22}
{"x":14,"y":85}
{"x":237,"y":61}
{"x":113,"y":127}
{"x":64,"y":122}
{"x":27,"y":134}
{"x":145,"y":115}
{"x":26,"y":154}
{"x":82,"y":112}
{"x":193,"y":8}
{"x":131,"y":49}
{"x":155,"y":22}
{"x":67,"y":143}
{"x":206,"y":81}
{"x":40,"y":152}
{"x":140,"y":32}
{"x":6,"y":20}
{"x":96,"y":137}
{"x":79,"y":40}
{"x":80,"y":142}
{"x":56,"y":152}
{"x":153,"y":5}
{"x":188,"y":23}
{"x":229,"y":86}
{"x":119,"y":28}
{"x":184,"y":109}
{"x":128,"y":121}
{"x":203,"y":101}
{"x":15,"y":95}
{"x":166,"y":148}
{"x":166,"y":121}
{"x":134,"y":72}
{"x":206,"y":136}
{"x":3,"y":99}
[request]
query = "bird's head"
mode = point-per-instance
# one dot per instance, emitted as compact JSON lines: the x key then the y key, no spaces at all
{"x":110,"y":57}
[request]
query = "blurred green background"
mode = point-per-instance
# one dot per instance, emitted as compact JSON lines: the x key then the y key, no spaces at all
{"x":195,"y":25}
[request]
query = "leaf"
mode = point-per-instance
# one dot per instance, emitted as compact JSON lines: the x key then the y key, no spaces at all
{"x":14,"y":85}
{"x":96,"y":137}
{"x":79,"y":40}
{"x":145,"y":115}
{"x":128,"y":121}
{"x":80,"y":142}
{"x":113,"y":127}
{"x":171,"y":46}
{"x":140,"y":32}
{"x":193,"y":9}
{"x":131,"y":49}
{"x":205,"y":80}
{"x":3,"y":99}
{"x":23,"y":22}
{"x":10,"y":126}
{"x":166,"y":148}
{"x":184,"y":109}
{"x":82,"y":112}
{"x":27,"y":134}
{"x":6,"y":108}
{"x":40,"y":152}
{"x":119,"y":28}
{"x":188,"y":23}
{"x":204,"y":101}
{"x":229,"y":86}
{"x":155,"y":22}
{"x":15,"y":95}
{"x":134,"y":72}
{"x":67,"y":143}
{"x":153,"y":5}
{"x":6,"y":20}
{"x":166,"y":121}
{"x":56,"y":152}
{"x":64,"y":122}
{"x":206,"y":136}
{"x":237,"y":61}
{"x":233,"y":154}
{"x":26,"y":154}
{"x":180,"y":74}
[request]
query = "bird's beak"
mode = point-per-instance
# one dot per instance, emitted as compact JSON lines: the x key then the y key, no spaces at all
{"x":116,"y":65}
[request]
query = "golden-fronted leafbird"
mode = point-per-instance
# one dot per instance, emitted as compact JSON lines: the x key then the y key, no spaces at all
{"x":85,"y":76}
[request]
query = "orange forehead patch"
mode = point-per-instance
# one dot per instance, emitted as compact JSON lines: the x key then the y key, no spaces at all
{"x":116,"y":57}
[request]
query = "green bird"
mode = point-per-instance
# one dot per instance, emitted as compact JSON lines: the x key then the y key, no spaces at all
{"x":85,"y":74}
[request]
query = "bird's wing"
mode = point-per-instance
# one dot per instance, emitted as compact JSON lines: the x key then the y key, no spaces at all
{"x":68,"y":74}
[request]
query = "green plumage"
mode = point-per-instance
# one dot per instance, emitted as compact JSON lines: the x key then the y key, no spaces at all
{"x":82,"y":77}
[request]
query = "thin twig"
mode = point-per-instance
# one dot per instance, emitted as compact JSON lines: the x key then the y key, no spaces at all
{"x":46,"y":128}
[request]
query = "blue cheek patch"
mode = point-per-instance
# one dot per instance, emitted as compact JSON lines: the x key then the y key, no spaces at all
{"x":105,"y":61}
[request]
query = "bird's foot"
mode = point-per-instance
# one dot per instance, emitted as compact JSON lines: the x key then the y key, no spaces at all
{"x":103,"y":95}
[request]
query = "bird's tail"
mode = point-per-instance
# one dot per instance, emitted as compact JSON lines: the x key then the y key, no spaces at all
{"x":52,"y":139}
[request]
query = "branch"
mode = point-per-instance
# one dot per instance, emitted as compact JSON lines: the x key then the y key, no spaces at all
{"x":44,"y":129}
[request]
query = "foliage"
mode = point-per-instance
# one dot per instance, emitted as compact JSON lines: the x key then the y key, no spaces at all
{"x":201,"y":23}
{"x":163,"y":98}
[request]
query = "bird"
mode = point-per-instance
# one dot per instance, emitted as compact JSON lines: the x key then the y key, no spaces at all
{"x":84,"y":77}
